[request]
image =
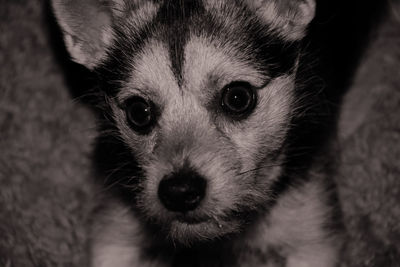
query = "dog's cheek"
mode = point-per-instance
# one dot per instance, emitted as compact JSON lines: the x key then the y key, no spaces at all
{"x":260,"y":139}
{"x":271,"y":120}
{"x":220,"y":163}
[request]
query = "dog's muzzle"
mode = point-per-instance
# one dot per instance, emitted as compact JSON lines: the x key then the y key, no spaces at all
{"x":182,"y":191}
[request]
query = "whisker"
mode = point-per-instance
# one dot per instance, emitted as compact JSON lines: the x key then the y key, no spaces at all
{"x":259,"y":168}
{"x":107,"y":178}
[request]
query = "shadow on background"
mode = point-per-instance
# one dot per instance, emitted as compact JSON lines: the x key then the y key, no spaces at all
{"x":341,"y":32}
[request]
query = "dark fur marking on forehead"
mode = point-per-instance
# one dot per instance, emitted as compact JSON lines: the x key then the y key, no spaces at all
{"x":176,"y":21}
{"x":117,"y":66}
{"x":171,"y":25}
{"x":275,"y":55}
{"x":175,"y":17}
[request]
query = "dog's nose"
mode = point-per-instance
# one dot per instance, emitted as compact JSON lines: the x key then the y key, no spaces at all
{"x":182,"y":191}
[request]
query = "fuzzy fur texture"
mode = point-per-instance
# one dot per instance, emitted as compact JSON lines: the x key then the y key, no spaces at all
{"x":45,"y":139}
{"x":181,"y":59}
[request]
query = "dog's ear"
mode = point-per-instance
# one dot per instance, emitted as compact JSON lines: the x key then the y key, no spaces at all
{"x":87,"y":28}
{"x":289,"y":17}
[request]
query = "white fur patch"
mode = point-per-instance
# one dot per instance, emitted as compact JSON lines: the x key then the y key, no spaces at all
{"x":295,"y":225}
{"x":75,"y":49}
{"x":116,"y":238}
{"x":205,"y":59}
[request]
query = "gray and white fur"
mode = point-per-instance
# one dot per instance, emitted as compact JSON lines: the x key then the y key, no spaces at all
{"x":192,"y":181}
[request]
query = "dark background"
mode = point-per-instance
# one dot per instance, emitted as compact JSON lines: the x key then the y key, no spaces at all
{"x":46,"y":134}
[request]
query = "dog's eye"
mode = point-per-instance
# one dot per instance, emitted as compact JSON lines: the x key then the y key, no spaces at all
{"x":140,"y":114}
{"x":238,"y":99}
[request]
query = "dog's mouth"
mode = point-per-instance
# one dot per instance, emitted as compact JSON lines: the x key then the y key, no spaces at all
{"x":188,"y":229}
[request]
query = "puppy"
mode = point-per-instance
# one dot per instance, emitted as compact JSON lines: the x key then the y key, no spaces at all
{"x":210,"y":135}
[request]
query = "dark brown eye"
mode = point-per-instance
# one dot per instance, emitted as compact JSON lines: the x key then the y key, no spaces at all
{"x":238,"y":99}
{"x":140,"y":114}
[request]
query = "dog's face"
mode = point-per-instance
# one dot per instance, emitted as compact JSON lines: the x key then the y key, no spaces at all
{"x":201,"y":94}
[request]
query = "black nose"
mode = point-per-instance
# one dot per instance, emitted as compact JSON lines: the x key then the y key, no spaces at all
{"x":182,"y":191}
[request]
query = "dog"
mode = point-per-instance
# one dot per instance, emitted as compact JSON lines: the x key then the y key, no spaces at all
{"x":210,"y":138}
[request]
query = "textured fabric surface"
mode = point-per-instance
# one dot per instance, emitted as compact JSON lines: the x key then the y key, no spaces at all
{"x":45,"y":140}
{"x":46,"y":190}
{"x":369,"y":179}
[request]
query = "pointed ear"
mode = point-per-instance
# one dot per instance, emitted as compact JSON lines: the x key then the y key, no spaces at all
{"x":86,"y":25}
{"x":289,"y":17}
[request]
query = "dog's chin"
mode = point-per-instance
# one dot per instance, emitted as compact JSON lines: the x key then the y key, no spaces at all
{"x":188,"y":232}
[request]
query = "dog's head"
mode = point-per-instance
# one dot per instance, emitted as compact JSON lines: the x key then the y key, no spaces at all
{"x":198,"y":98}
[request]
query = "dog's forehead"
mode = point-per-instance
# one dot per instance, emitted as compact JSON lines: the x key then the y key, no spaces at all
{"x":205,"y":67}
{"x":181,"y":45}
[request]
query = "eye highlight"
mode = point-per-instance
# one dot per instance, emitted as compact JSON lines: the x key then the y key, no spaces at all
{"x":238,"y":99}
{"x":140,"y":114}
